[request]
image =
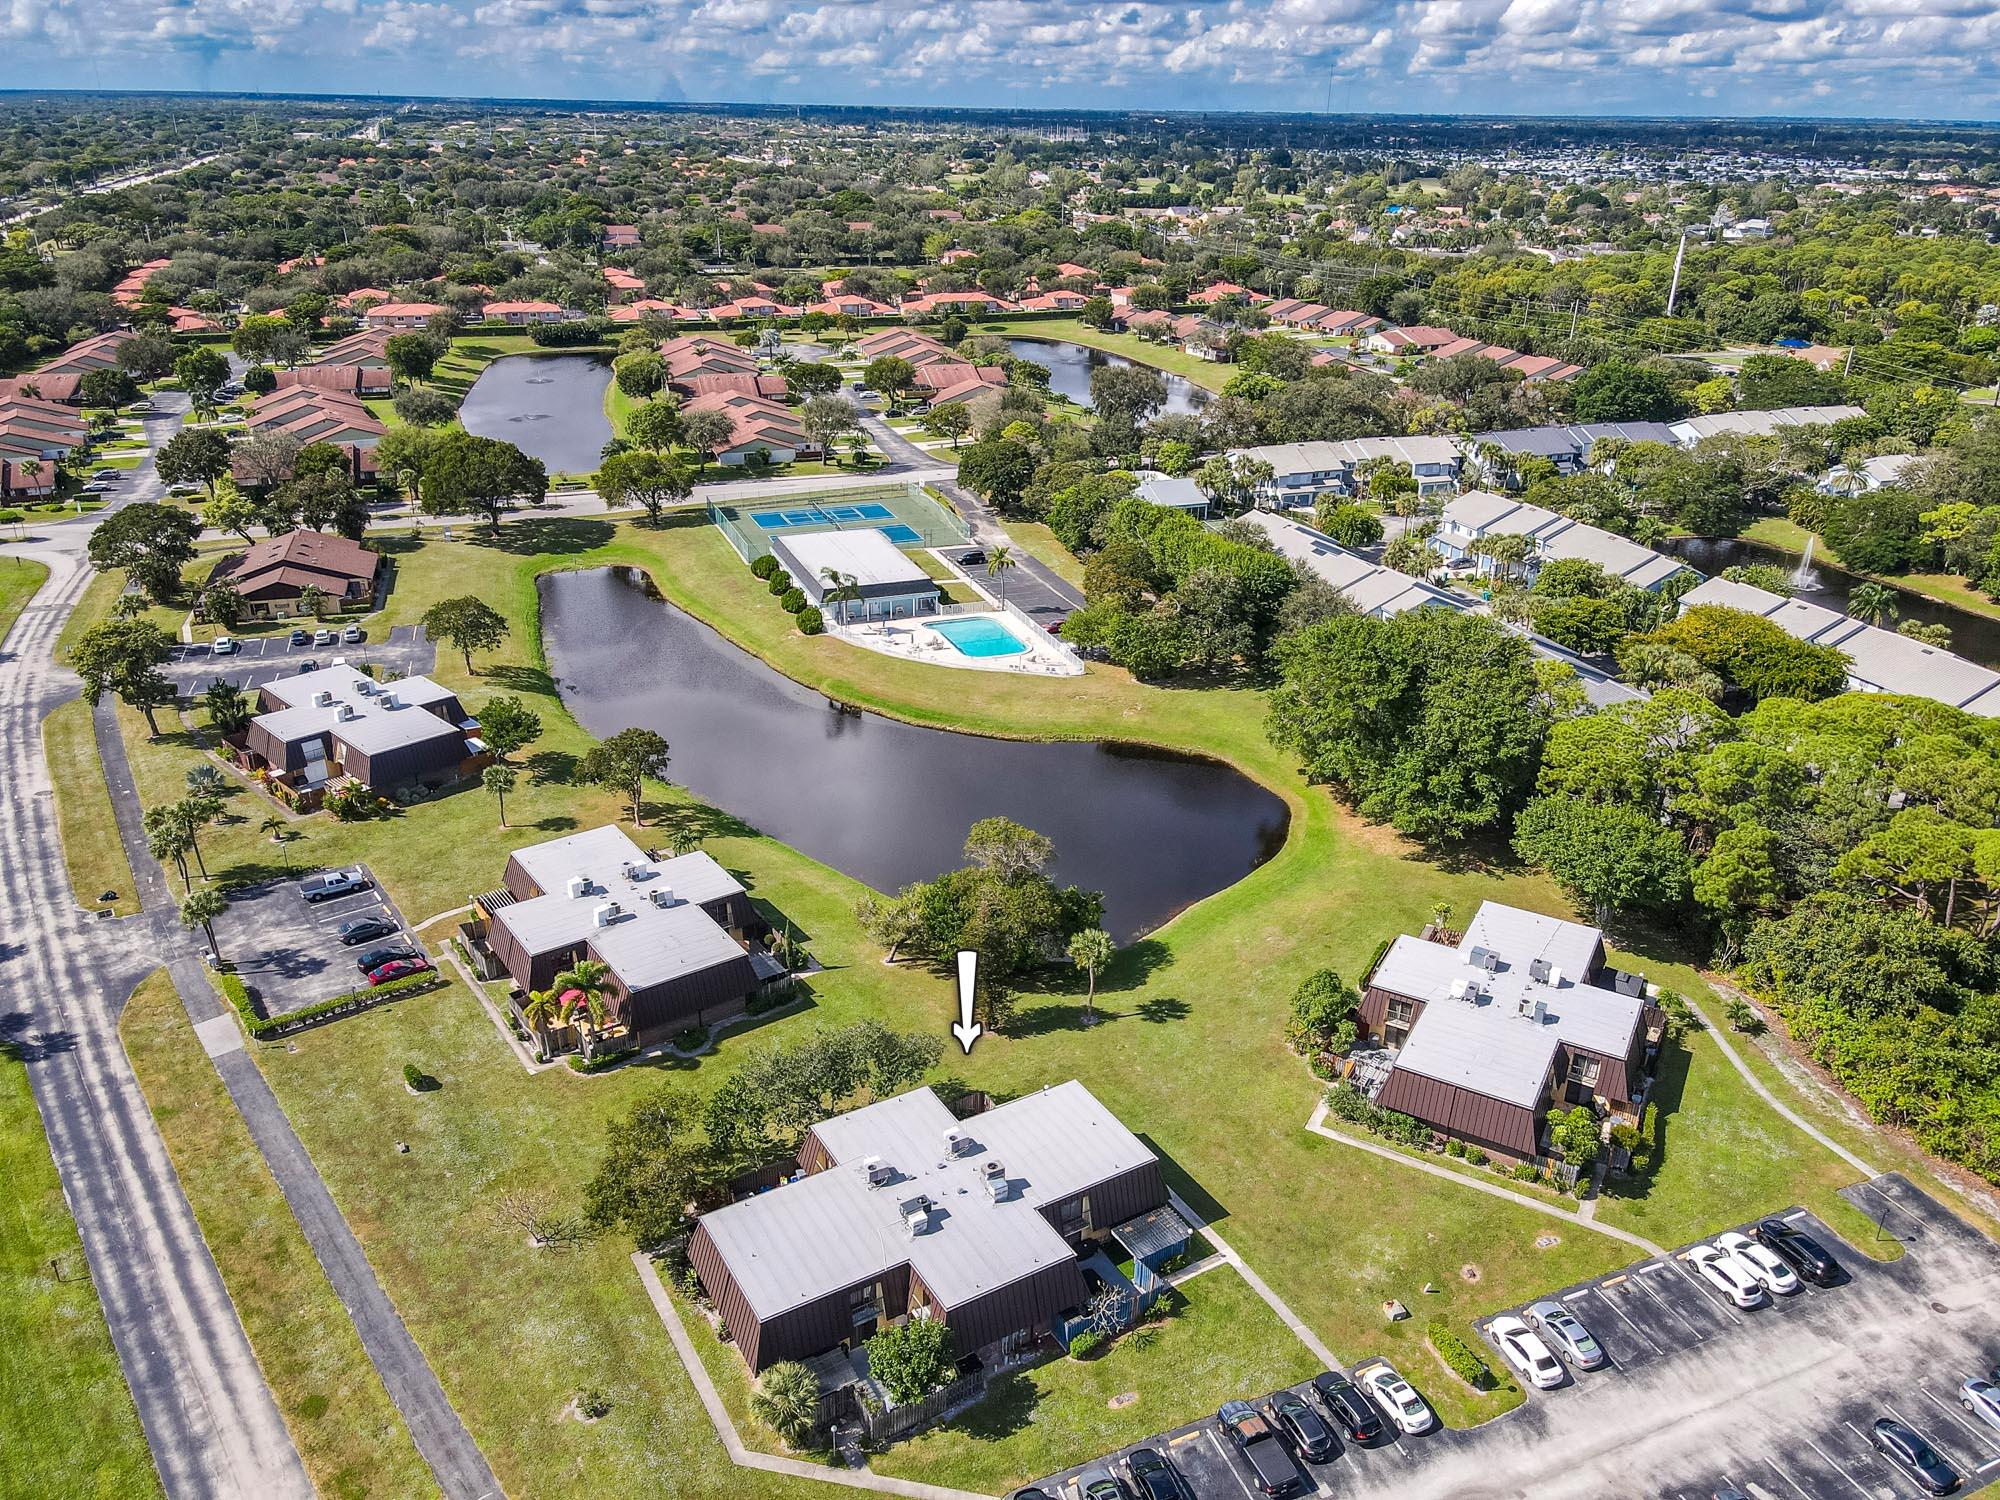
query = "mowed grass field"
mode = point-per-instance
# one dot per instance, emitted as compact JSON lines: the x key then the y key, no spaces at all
{"x":67,"y":1424}
{"x":347,"y":1431}
{"x":1189,"y":1054}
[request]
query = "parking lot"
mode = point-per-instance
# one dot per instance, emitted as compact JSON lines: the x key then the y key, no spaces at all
{"x":289,"y":950}
{"x":403,"y":649}
{"x":1700,"y":1396}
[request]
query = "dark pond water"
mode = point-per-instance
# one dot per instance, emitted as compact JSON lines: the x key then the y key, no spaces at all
{"x":888,"y":802}
{"x":550,"y":406}
{"x":1972,"y":636}
{"x":1069,"y":367}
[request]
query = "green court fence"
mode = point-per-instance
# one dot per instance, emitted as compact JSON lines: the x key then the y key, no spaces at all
{"x":909,"y":505}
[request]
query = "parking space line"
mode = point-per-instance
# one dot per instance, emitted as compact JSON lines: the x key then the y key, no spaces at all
{"x":1637,"y":1332}
{"x":1954,"y":1414}
{"x":1803,"y":1493}
{"x":1710,"y":1295}
{"x":1836,"y":1467}
{"x":1957,"y":1462}
{"x":1894,"y":1471}
{"x":1223,"y":1449}
{"x":1678,"y":1317}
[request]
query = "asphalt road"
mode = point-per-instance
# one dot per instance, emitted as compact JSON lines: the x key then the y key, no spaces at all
{"x":1701,"y":1396}
{"x":1031,"y":585}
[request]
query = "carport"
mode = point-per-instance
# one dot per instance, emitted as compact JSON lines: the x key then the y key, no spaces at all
{"x":1152,"y":1240}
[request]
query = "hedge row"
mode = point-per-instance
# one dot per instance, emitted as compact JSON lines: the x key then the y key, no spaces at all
{"x":1459,"y":1355}
{"x":265,"y":1028}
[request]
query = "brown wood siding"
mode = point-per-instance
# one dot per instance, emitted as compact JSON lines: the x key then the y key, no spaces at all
{"x":657,"y":1011}
{"x":1375,"y":1009}
{"x":730,"y":1303}
{"x":516,"y":880}
{"x":1028,"y":1303}
{"x":531,"y":971}
{"x":399,"y":765}
{"x":1479,"y":1118}
{"x":813,"y":1155}
{"x":799,"y":1332}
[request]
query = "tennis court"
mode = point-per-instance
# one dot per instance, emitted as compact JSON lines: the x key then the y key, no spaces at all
{"x":905,"y":513}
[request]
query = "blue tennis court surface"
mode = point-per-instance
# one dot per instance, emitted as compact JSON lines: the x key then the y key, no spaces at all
{"x":784,"y":520}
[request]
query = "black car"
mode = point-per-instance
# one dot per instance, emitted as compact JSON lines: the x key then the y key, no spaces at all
{"x":1917,"y":1458}
{"x":1154,"y":1478}
{"x":389,"y":953}
{"x":1352,"y":1412}
{"x":971,"y":559}
{"x":1263,"y":1450}
{"x":299,"y":637}
{"x":1032,"y":1494}
{"x":366,"y":930}
{"x":1312,"y":1438}
{"x":1798,"y":1250}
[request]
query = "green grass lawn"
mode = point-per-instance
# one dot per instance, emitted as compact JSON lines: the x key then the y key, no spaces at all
{"x":1041,"y":544}
{"x":1222,"y":1343}
{"x":69,"y":1425}
{"x":346,"y":1429}
{"x":1333,"y":1230}
{"x":955,"y":591}
{"x":1946,"y":588}
{"x":1168,"y":357}
{"x":90,"y":843}
{"x":19,"y":578}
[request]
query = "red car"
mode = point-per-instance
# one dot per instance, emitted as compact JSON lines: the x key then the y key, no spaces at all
{"x":397,"y":968}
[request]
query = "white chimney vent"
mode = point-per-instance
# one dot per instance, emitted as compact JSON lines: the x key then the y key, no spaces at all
{"x":1459,"y":987}
{"x":1555,"y":977}
{"x":579,"y":887}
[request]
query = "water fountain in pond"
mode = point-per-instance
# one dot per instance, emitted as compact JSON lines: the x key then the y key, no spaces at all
{"x":1804,"y":579}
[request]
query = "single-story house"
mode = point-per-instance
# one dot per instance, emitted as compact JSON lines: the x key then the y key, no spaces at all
{"x":1691,"y":430}
{"x":525,"y":314}
{"x":1869,"y":474}
{"x":1175,"y":493}
{"x":902,"y":1210}
{"x":272,"y":575}
{"x":1520,"y":1017}
{"x":401,"y":315}
{"x":887,"y":582}
{"x":676,"y":934}
{"x":948,"y":382}
{"x":760,"y":426}
{"x":313,"y":415}
{"x":322,"y":725}
{"x":98,"y":352}
{"x":1416,"y":339}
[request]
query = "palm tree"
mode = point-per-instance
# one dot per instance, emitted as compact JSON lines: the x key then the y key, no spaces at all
{"x":200,"y":909}
{"x":31,"y":470}
{"x":842,"y":588}
{"x":1873,"y":603}
{"x":312,"y":597}
{"x":539,"y":1012}
{"x":584,"y":979}
{"x":274,"y":827}
{"x":998,"y":562}
{"x":1090,"y":950}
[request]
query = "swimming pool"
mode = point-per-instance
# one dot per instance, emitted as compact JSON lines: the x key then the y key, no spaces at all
{"x":980,"y":635}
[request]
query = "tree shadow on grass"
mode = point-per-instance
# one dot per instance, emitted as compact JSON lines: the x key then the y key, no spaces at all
{"x":526,"y":534}
{"x":1207,"y":1208}
{"x":506,"y":677}
{"x":1007,"y":1408}
{"x":1161,"y":1009}
{"x":546,"y":766}
{"x":1134,"y":965}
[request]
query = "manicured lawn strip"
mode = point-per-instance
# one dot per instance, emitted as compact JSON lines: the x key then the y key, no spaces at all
{"x":955,"y":591}
{"x":1949,"y":588}
{"x":1168,"y":357}
{"x":1334,"y":1231}
{"x":1040,"y":543}
{"x":19,"y":578}
{"x":70,"y":1425}
{"x":1726,"y":1156}
{"x":1780,"y":531}
{"x":347,"y":1430}
{"x":90,"y":843}
{"x":1946,"y":588}
{"x":1223,"y":1343}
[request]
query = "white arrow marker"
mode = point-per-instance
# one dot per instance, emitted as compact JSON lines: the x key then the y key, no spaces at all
{"x":965,"y":1028}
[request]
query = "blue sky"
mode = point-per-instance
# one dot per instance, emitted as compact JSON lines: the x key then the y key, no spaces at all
{"x":1903,"y":58}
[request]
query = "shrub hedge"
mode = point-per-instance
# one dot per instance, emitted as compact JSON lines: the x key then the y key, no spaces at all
{"x":1459,"y":1355}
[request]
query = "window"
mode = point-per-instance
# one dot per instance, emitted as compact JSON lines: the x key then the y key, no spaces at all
{"x":1402,"y":1012}
{"x":1584,"y":1070}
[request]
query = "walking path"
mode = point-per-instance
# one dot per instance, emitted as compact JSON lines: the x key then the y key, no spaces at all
{"x":1317,"y":1125}
{"x":1257,"y":1284}
{"x":748,"y":1458}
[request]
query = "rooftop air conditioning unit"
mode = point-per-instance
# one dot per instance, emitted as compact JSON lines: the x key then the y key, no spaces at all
{"x":954,"y":1141}
{"x":631,"y":869}
{"x":1555,"y":976}
{"x":878,"y":1172}
{"x":916,"y":1215}
{"x":389,"y":698}
{"x":322,"y":699}
{"x":1539,"y":1012}
{"x":345,"y":712}
{"x":993,"y":1177}
{"x":664,"y":896}
{"x":1538,"y":970}
{"x":579,"y":887}
{"x":364,"y":686}
{"x":605,"y":913}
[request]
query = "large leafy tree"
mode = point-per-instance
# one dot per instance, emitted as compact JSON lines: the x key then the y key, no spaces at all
{"x":624,"y":762}
{"x":1752,"y":654}
{"x":151,"y":543}
{"x":124,"y":657}
{"x":486,"y":476}
{"x":657,"y":1169}
{"x":467,"y":624}
{"x":647,"y":479}
{"x":194,"y":455}
{"x":1432,"y":721}
{"x":1611,"y":859}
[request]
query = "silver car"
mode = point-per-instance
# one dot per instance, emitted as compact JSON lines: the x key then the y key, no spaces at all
{"x":1982,"y":1399}
{"x":1564,"y":1334}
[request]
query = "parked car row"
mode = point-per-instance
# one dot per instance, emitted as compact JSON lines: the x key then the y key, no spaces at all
{"x":1772,"y":1261}
{"x":325,"y":636}
{"x":393,"y":956}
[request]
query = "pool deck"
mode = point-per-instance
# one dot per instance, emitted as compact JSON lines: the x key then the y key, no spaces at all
{"x":915,"y":640}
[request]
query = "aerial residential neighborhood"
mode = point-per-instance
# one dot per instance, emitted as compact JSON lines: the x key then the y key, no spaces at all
{"x":1135,"y":756}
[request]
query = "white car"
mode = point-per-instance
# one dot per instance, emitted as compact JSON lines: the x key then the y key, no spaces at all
{"x":1527,"y":1353}
{"x":1764,"y":1268}
{"x":223,"y":646}
{"x":1728,"y":1278}
{"x":1398,"y":1399}
{"x":1982,"y":1399}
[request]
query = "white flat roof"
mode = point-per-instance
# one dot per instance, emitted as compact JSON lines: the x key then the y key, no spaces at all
{"x":868,"y":557}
